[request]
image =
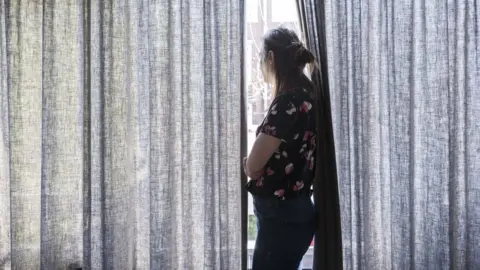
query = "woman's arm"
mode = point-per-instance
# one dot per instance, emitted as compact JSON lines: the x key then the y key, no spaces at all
{"x":276,"y":127}
{"x":263,"y":148}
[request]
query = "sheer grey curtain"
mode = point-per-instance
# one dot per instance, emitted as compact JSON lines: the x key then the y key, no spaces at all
{"x":119,"y":134}
{"x":405,"y":79}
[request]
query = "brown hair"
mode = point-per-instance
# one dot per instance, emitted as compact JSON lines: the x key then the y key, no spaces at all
{"x":290,"y":58}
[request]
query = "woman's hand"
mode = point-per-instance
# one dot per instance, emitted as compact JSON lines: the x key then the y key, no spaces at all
{"x":253,"y":175}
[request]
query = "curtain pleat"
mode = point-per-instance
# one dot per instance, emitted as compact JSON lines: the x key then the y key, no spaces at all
{"x":22,"y":132}
{"x":61,"y":129}
{"x":5,"y":214}
{"x":120,"y":135}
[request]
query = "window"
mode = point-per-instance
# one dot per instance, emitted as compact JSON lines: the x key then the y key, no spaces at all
{"x":285,"y":12}
{"x":251,"y":13}
{"x":262,"y":15}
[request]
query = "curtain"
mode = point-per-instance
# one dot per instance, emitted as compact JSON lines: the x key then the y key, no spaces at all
{"x":119,"y":134}
{"x":328,"y":239}
{"x":404,"y":81}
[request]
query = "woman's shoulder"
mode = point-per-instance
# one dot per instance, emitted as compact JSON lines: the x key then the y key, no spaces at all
{"x":296,"y":96}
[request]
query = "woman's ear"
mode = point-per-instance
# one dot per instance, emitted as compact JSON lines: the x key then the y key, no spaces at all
{"x":271,"y":59}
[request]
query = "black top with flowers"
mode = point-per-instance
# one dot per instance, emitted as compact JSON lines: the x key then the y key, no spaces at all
{"x":290,"y":170}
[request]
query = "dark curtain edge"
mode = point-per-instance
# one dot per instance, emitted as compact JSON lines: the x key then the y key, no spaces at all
{"x":243,"y":142}
{"x":328,"y":250}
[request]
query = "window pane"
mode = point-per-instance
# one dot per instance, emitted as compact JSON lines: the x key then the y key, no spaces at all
{"x":251,"y":10}
{"x":284,"y":12}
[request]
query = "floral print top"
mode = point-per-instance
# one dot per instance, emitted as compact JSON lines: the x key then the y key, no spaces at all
{"x":290,"y":170}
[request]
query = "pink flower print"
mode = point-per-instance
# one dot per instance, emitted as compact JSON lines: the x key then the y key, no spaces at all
{"x":298,"y":185}
{"x":260,"y":182}
{"x":289,"y":169}
{"x":291,"y":110}
{"x":312,"y":163}
{"x":295,"y":136}
{"x":279,"y":193}
{"x":284,"y":154}
{"x":277,"y":155}
{"x":269,"y":130}
{"x":306,"y":135}
{"x":306,"y":106}
{"x":309,"y":154}
{"x":304,"y":146}
{"x":312,"y":141}
{"x":270,"y":171}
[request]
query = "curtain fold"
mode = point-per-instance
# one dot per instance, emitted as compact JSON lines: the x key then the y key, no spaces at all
{"x":328,"y":239}
{"x":120,"y":144}
{"x":404,"y":78}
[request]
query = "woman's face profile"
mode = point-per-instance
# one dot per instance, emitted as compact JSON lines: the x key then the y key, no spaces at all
{"x":266,"y":66}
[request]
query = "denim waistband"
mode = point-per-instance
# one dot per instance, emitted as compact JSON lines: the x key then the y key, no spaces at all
{"x":300,"y":209}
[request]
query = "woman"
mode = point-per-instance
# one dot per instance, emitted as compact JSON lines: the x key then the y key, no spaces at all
{"x":281,"y":163}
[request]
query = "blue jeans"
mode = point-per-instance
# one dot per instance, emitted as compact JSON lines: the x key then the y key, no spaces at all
{"x":285,"y":231}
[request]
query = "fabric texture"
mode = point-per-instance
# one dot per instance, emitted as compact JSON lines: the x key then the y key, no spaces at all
{"x":289,"y":171}
{"x":328,"y":250}
{"x":119,"y":145}
{"x":404,"y":81}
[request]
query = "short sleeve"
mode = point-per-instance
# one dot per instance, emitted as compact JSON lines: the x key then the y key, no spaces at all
{"x":281,"y":118}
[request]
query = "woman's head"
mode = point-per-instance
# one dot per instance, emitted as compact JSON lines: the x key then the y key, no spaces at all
{"x":283,"y":59}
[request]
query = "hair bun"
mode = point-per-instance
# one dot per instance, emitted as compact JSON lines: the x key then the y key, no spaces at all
{"x":303,"y":56}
